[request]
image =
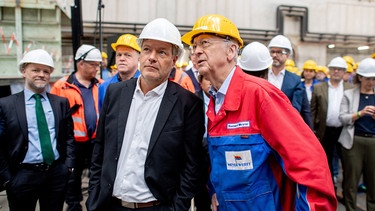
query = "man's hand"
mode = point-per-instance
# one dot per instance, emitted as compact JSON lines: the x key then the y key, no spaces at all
{"x":214,"y":202}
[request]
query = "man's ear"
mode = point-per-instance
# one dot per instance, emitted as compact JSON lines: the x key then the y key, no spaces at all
{"x":232,"y":51}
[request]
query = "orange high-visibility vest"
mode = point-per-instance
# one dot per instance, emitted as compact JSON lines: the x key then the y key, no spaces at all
{"x":64,"y":87}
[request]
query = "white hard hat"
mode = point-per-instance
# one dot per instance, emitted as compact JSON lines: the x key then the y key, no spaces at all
{"x":38,"y":56}
{"x":255,"y":57}
{"x":280,"y":41}
{"x":163,"y":30}
{"x":366,"y":68}
{"x":338,"y":62}
{"x":88,"y":53}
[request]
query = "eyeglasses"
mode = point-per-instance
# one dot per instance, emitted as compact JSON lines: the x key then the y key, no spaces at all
{"x":94,"y":64}
{"x":279,"y":52}
{"x":205,"y":43}
{"x":369,"y":78}
{"x":336,"y":68}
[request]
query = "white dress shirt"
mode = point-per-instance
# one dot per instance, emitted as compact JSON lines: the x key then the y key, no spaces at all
{"x":130,"y":184}
{"x":334,"y":100}
{"x":276,"y":80}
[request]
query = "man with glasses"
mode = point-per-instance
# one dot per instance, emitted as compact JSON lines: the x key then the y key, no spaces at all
{"x":280,"y":49}
{"x":325,"y":104}
{"x":81,"y":89}
{"x":256,"y":164}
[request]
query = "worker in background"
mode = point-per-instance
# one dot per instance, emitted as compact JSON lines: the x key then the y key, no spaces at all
{"x":105,"y":73}
{"x":250,"y":151}
{"x":291,"y":67}
{"x":321,"y":74}
{"x":127,"y":55}
{"x":193,"y":74}
{"x":348,"y":76}
{"x":280,"y":49}
{"x":180,"y":77}
{"x":308,"y":76}
{"x":81,"y":89}
{"x":326,"y":98}
{"x":255,"y":60}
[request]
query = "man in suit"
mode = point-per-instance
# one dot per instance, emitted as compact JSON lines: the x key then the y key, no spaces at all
{"x":193,"y":74}
{"x":148,"y":149}
{"x":34,"y":163}
{"x":325,"y":101}
{"x":280,"y":49}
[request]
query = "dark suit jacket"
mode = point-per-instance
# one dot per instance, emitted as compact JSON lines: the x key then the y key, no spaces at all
{"x":174,"y":154}
{"x":292,"y":88}
{"x":319,"y":107}
{"x":14,"y":135}
{"x":197,"y":86}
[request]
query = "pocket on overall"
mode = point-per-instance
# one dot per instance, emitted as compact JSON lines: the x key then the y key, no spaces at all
{"x":240,"y":171}
{"x":260,"y":198}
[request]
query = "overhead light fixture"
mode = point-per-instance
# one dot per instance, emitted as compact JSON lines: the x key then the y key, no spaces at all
{"x":365,"y":47}
{"x":331,"y":46}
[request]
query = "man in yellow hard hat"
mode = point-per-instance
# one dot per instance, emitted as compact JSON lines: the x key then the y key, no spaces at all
{"x":127,"y":55}
{"x":308,"y":75}
{"x":322,"y":74}
{"x":348,"y":76}
{"x":252,"y":158}
{"x":104,"y":72}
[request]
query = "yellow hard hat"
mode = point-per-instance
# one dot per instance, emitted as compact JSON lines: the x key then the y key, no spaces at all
{"x":373,"y":56}
{"x":322,"y":69}
{"x":290,"y":63}
{"x":182,"y":64}
{"x":127,"y":40}
{"x":104,"y":55}
{"x":214,"y":24}
{"x":349,"y":60}
{"x":113,"y":67}
{"x":350,"y":68}
{"x":355,"y":66}
{"x":310,"y":65}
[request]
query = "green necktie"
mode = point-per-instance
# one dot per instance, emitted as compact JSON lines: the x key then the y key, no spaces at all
{"x":44,"y":134}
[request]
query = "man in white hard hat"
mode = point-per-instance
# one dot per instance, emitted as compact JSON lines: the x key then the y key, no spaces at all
{"x":148,"y":151}
{"x":36,"y":144}
{"x":325,"y":101}
{"x":81,"y":89}
{"x":280,"y":49}
{"x":256,"y":164}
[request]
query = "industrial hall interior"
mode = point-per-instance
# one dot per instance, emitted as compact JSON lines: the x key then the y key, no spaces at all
{"x":321,"y":43}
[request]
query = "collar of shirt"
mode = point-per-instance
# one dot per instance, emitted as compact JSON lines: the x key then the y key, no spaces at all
{"x":196,"y":73}
{"x":220,"y":94}
{"x":29,"y":94}
{"x":270,"y":73}
{"x":159,"y":90}
{"x":77,"y":83}
{"x":340,"y":85}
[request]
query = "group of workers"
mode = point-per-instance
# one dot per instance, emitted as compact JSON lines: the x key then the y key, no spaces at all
{"x":234,"y":132}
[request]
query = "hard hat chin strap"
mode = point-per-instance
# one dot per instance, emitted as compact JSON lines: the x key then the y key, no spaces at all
{"x":83,"y":57}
